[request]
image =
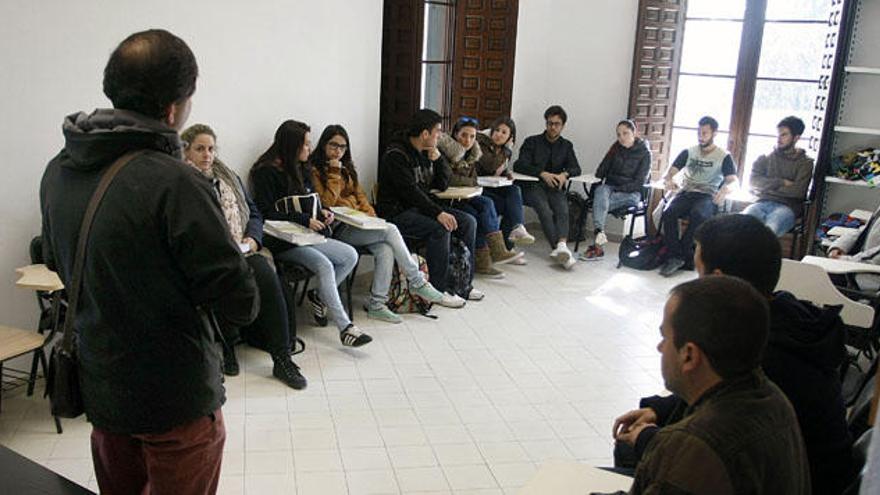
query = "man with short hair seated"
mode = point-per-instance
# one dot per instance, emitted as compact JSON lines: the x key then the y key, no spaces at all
{"x":780,"y":179}
{"x":738,"y":433}
{"x":804,"y":352}
{"x":708,"y":176}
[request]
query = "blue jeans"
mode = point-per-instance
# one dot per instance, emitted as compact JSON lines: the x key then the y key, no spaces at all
{"x":483,"y":209}
{"x":696,"y":207}
{"x":777,"y":216}
{"x":508,"y":204}
{"x":605,"y":199}
{"x":331,"y":262}
{"x":551,"y":205}
{"x":386,"y":246}
{"x":415,"y":225}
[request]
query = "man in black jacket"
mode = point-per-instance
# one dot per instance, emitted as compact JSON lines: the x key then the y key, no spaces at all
{"x":550,"y":157}
{"x":159,"y":259}
{"x":804,"y":351}
{"x":410,"y":169}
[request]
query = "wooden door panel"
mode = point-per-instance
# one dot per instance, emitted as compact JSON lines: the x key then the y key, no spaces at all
{"x":402,"y":26}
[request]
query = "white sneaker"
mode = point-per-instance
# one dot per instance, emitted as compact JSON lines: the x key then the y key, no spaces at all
{"x":451,"y":301}
{"x":476,"y":295}
{"x":520,"y":236}
{"x":570,"y":262}
{"x":601,"y":239}
{"x":562,"y":254}
{"x":520,"y":261}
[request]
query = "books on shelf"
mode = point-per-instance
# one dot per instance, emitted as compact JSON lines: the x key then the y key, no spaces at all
{"x":357,"y":218}
{"x":293,"y":233}
{"x":494,"y":181}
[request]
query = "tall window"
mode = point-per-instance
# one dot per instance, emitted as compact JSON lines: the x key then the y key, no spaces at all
{"x":748,"y":63}
{"x":439,"y":26}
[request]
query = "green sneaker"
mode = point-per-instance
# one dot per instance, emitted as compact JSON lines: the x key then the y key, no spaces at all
{"x":384,"y":314}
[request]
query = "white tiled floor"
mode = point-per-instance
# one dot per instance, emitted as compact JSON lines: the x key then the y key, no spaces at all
{"x":470,"y":403}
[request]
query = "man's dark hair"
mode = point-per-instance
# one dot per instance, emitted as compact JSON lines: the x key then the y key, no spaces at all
{"x":709,"y":121}
{"x":556,"y":110}
{"x":741,"y":246}
{"x":149,"y":71}
{"x":726,"y":318}
{"x":423,"y":120}
{"x":793,"y":124}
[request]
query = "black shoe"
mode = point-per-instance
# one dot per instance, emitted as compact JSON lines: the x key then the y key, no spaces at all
{"x":288,"y":372}
{"x":319,"y":309}
{"x":671,"y":266}
{"x":230,"y":362}
{"x":353,"y":337}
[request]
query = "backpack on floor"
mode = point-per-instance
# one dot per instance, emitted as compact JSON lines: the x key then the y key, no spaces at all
{"x":400,"y":299}
{"x":458,"y":279}
{"x":645,"y":253}
{"x":576,"y":217}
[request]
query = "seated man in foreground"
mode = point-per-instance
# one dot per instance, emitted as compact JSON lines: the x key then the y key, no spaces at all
{"x":780,"y":179}
{"x":804,"y":351}
{"x":738,"y":433}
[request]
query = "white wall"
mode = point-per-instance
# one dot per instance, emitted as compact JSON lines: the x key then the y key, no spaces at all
{"x":577,"y":54}
{"x":260,"y":62}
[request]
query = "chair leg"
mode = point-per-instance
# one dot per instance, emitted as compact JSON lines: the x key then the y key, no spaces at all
{"x":794,"y":242}
{"x":45,"y":371}
{"x":349,"y":286}
{"x":302,"y":296}
{"x":581,"y":226}
{"x":32,"y":378}
{"x":58,"y":425}
{"x":1,"y":386}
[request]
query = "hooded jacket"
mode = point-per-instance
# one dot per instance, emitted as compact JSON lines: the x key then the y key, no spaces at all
{"x":770,"y":172}
{"x":406,"y":178}
{"x":158,"y":257}
{"x":626,"y":169}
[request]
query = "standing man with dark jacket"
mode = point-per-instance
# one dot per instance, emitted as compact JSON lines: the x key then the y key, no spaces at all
{"x":623,"y":171}
{"x":780,"y":179}
{"x":410,"y":169}
{"x":551,"y":158}
{"x":159,"y":257}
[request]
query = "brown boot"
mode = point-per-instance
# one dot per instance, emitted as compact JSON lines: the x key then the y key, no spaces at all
{"x":484,"y":264}
{"x":499,"y":252}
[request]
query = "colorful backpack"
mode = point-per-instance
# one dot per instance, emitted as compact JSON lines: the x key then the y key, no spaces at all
{"x":400,"y":299}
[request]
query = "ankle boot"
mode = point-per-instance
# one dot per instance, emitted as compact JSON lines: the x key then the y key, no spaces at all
{"x":498,"y":250}
{"x":484,"y":264}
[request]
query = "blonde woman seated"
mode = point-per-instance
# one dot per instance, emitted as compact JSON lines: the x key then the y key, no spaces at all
{"x":336,"y":181}
{"x":463,"y":155}
{"x":271,"y":330}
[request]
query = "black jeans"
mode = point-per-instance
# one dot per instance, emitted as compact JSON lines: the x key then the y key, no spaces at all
{"x":414,"y":225}
{"x":271,"y":330}
{"x":551,"y":205}
{"x":696,"y":207}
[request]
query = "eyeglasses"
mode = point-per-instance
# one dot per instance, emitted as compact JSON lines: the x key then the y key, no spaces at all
{"x":469,"y":120}
{"x":337,"y":146}
{"x":554,"y":123}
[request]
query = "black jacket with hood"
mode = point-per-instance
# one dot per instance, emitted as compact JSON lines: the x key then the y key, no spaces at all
{"x":406,"y":178}
{"x":626,"y":169}
{"x":158,"y":257}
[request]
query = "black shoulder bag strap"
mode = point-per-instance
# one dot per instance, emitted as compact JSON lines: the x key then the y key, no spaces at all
{"x":62,"y":377}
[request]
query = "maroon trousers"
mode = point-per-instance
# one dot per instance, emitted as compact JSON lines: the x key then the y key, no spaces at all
{"x":184,"y":460}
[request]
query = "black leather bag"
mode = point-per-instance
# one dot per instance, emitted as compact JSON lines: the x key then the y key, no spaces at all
{"x":62,"y":377}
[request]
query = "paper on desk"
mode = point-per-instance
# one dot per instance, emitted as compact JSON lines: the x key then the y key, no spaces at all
{"x":292,"y":232}
{"x":493,"y":181}
{"x":863,"y":215}
{"x":357,"y":218}
{"x":572,"y":478}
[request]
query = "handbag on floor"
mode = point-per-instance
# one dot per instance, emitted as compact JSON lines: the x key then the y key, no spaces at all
{"x":62,"y":377}
{"x":400,"y":299}
{"x":460,"y":276}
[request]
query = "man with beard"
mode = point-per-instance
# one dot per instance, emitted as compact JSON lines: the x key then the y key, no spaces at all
{"x":708,"y":176}
{"x":780,"y":179}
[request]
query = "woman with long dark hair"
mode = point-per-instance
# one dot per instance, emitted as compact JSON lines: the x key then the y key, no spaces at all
{"x":271,"y":329}
{"x":278,"y":178}
{"x":336,"y":181}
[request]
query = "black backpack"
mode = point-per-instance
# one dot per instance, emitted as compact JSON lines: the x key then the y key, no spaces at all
{"x":576,"y":217}
{"x":458,"y":279}
{"x":644,"y":253}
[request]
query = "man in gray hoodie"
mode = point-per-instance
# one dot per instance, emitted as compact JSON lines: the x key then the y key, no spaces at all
{"x":780,"y":179}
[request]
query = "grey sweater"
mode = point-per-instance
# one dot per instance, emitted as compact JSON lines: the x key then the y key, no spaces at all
{"x":770,"y":172}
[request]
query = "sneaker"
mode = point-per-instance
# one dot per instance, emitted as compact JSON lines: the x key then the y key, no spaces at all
{"x":593,"y":253}
{"x":319,"y":309}
{"x":432,"y":295}
{"x":353,"y":337}
{"x":230,"y":362}
{"x":601,"y":238}
{"x":382,"y":313}
{"x":520,"y":236}
{"x":569,"y":263}
{"x":476,"y":295}
{"x":288,"y":372}
{"x":671,"y":266}
{"x":561,"y":254}
{"x":520,"y":261}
